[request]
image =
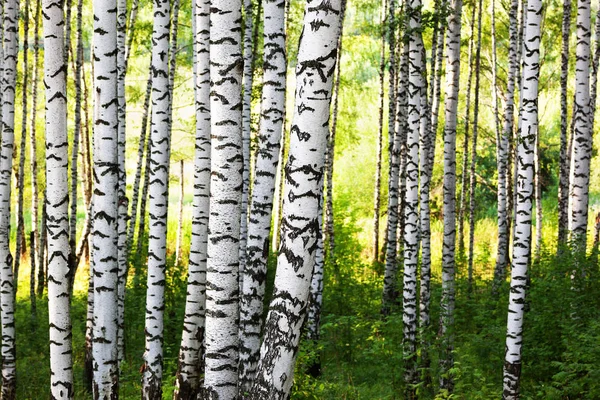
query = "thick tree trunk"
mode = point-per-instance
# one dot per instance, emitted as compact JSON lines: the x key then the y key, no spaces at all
{"x":524,"y":189}
{"x":267,"y":160}
{"x":191,"y":352}
{"x":158,"y":205}
{"x":57,"y":192}
{"x":222,"y":291}
{"x":7,"y":299}
{"x":105,"y":220}
{"x":304,"y":169}
{"x":449,"y":208}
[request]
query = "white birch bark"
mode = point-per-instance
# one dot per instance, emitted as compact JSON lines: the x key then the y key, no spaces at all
{"x":267,"y":160}
{"x":57,"y":160}
{"x":7,"y":300}
{"x":105,"y":228}
{"x":449,"y":208}
{"x":304,"y":170}
{"x":523,"y":206}
{"x":191,"y":353}
{"x":222,"y":290}
{"x":582,"y":136}
{"x":158,"y":203}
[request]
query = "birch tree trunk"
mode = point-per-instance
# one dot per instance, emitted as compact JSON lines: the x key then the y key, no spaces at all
{"x":314,"y":76}
{"x":7,"y":299}
{"x":538,"y":200}
{"x":449,"y":208}
{"x":503,"y":152}
{"x":57,"y":192}
{"x":191,"y":353}
{"x":582,"y":136}
{"x":267,"y":160}
{"x":105,"y":221}
{"x":222,"y":291}
{"x":524,"y":189}
{"x":158,"y":205}
{"x":564,"y":163}
{"x":179,"y":216}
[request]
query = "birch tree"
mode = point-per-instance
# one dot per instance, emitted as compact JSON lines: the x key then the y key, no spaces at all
{"x":191,"y":353}
{"x":158,"y":191}
{"x":449,"y":208}
{"x":105,"y":223}
{"x":222,"y":290}
{"x":7,"y":299}
{"x":61,"y":363}
{"x":524,"y":189}
{"x":267,"y":159}
{"x":304,"y":169}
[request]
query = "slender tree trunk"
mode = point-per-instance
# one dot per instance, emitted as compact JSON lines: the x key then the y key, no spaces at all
{"x":88,"y":363}
{"x":449,"y":208}
{"x":143,"y":199}
{"x":463,"y":179}
{"x":105,"y":220}
{"x":564,"y":165}
{"x":524,"y":189}
{"x":131,"y":30}
{"x":7,"y":299}
{"x":32,"y":300}
{"x":330,"y":155}
{"x":472,"y":176}
{"x":179,"y":217}
{"x":42,"y":253}
{"x":158,"y":191}
{"x":61,"y":362}
{"x":594,"y":77}
{"x":538,"y":200}
{"x":20,"y":246}
{"x":267,"y":160}
{"x":582,"y":136}
{"x":191,"y":353}
{"x":411,"y":234}
{"x":301,"y":201}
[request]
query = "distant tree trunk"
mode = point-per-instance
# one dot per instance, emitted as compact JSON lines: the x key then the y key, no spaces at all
{"x":261,"y":206}
{"x":159,"y":189}
{"x":131,"y":30}
{"x":143,"y":144}
{"x":411,"y":233}
{"x":582,"y":136}
{"x":503,"y":152}
{"x":105,"y":217}
{"x":301,"y":201}
{"x":33,"y":305}
{"x":88,"y":362}
{"x":246,"y":125}
{"x":20,"y":245}
{"x":564,"y":163}
{"x":191,"y":353}
{"x":222,"y":290}
{"x":594,"y":77}
{"x":42,"y":259}
{"x":377,"y":190}
{"x":330,"y":155}
{"x":538,"y":199}
{"x":524,"y":189}
{"x":449,"y":208}
{"x":179,"y":217}
{"x":463,"y":179}
{"x":472,"y":176}
{"x":7,"y":299}
{"x":61,"y":362}
{"x":143,"y":199}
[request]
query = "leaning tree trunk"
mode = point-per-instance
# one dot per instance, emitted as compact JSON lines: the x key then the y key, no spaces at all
{"x":191,"y":352}
{"x":503,"y":151}
{"x":449,"y":208}
{"x":105,"y":212}
{"x":564,"y":164}
{"x":582,"y":135}
{"x":525,"y":162}
{"x":472,"y":172}
{"x":57,"y":200}
{"x":261,"y":207}
{"x":304,"y":169}
{"x":158,"y":191}
{"x":20,"y":246}
{"x":463,"y":179}
{"x":7,"y":299}
{"x":222,"y":290}
{"x":411,"y":234}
